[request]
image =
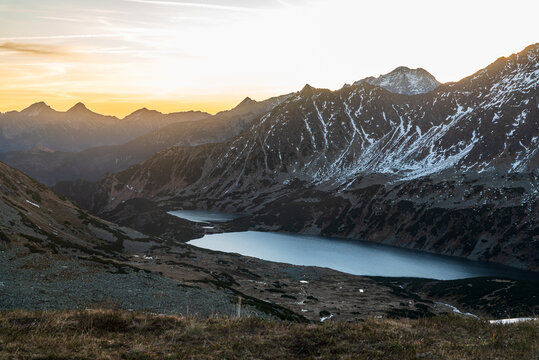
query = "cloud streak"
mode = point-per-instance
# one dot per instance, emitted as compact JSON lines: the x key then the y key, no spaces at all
{"x":54,"y":18}
{"x":194,"y":5}
{"x":59,"y":37}
{"x":35,"y":49}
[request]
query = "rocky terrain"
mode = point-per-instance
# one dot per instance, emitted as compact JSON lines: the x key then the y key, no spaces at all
{"x":452,"y":171}
{"x":57,"y":256}
{"x":82,"y":261}
{"x":40,"y":126}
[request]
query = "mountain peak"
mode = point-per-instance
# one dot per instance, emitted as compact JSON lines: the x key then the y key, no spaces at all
{"x":78,"y":108}
{"x":402,"y":69}
{"x":307,"y":90}
{"x":138,"y":114}
{"x":247,"y":101}
{"x":38,"y":105}
{"x":143,"y":111}
{"x":404,"y":80}
{"x":38,"y":108}
{"x":406,"y":70}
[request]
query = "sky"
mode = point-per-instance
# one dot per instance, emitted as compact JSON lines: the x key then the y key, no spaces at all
{"x":117,"y":56}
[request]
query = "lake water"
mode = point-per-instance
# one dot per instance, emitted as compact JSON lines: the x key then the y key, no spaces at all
{"x":354,"y":257}
{"x":204,"y":216}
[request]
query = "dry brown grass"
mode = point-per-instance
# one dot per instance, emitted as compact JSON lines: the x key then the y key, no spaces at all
{"x":107,"y":334}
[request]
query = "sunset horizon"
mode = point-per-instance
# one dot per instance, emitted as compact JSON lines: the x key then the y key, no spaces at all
{"x":211,"y":106}
{"x":119,"y":56}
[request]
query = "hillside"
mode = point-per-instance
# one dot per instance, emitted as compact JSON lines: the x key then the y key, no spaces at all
{"x":451,"y":171}
{"x":82,"y":261}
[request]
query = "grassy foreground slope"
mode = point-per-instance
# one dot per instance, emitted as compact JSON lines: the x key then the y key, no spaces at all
{"x":98,"y":334}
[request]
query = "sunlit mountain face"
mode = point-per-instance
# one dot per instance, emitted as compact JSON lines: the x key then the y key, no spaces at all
{"x":174,"y":55}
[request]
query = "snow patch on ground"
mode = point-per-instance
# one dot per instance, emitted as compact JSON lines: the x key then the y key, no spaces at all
{"x":324,"y":318}
{"x":511,"y":321}
{"x":31,"y":203}
{"x":457,"y":311}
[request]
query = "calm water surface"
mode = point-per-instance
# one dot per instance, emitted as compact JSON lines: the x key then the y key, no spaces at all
{"x":354,"y":257}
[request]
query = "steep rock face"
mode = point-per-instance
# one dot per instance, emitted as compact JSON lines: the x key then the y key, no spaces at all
{"x":404,"y":80}
{"x":343,"y":142}
{"x":78,"y":128}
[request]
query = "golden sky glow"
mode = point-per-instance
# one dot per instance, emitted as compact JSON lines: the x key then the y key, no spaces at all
{"x":172,"y":55}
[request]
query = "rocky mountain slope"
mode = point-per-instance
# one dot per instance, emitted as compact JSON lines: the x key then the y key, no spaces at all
{"x":33,"y":215}
{"x":452,"y":171}
{"x":78,"y":128}
{"x":51,"y":167}
{"x":404,"y":80}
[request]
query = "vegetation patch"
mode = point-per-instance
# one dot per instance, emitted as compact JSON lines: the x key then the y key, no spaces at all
{"x":4,"y":237}
{"x":120,"y":268}
{"x":268,"y":308}
{"x":497,"y":298}
{"x":34,"y":249}
{"x":108,"y":334}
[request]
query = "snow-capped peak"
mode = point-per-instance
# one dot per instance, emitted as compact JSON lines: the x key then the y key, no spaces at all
{"x":404,"y":80}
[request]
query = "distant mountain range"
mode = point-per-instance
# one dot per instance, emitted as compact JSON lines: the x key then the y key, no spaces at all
{"x":40,"y":126}
{"x":45,"y":143}
{"x":51,"y":167}
{"x":452,"y":169}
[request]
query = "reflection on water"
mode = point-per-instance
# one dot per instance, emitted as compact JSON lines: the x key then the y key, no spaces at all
{"x":354,"y":257}
{"x":204,"y":216}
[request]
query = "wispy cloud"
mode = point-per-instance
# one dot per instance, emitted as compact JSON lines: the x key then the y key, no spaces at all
{"x":75,"y":20}
{"x":59,"y":37}
{"x":284,"y":3}
{"x":36,"y":49}
{"x":194,"y":5}
{"x":101,"y":20}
